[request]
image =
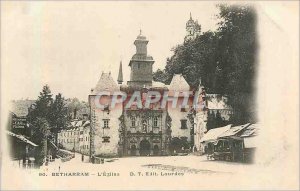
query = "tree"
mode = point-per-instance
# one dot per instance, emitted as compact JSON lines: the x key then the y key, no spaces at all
{"x":40,"y":136}
{"x":224,"y":59}
{"x":74,"y":107}
{"x":237,"y":56}
{"x":41,"y":108}
{"x":160,"y":76}
{"x":47,"y":117}
{"x":58,"y":116}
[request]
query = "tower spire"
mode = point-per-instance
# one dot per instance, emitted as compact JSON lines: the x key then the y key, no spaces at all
{"x":191,"y":15}
{"x":120,"y":76}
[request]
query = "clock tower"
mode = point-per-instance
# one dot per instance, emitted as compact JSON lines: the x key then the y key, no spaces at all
{"x":141,"y":64}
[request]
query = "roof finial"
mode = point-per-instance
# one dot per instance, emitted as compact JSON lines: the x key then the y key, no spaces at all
{"x":191,"y":15}
{"x":120,"y":76}
{"x":140,"y":32}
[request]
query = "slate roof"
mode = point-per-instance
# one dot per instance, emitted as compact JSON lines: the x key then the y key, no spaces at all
{"x":178,"y":83}
{"x":158,"y":84}
{"x":106,"y":83}
{"x":251,"y":130}
{"x":214,"y":134}
{"x":234,"y":130}
{"x":22,"y":138}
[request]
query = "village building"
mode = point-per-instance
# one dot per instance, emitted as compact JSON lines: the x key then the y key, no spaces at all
{"x":212,"y":107}
{"x":76,"y":137}
{"x":22,"y":148}
{"x":231,"y":143}
{"x":138,"y":131}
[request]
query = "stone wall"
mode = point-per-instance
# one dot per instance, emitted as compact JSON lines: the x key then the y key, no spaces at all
{"x":145,"y":130}
{"x":105,"y":140}
{"x":177,"y":114}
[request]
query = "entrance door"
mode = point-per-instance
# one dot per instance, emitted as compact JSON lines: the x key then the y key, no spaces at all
{"x":155,"y":150}
{"x":144,"y":148}
{"x":133,"y":150}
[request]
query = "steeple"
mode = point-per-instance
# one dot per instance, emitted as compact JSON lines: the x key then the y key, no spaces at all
{"x":193,"y":29}
{"x":120,"y":76}
{"x":141,"y":64}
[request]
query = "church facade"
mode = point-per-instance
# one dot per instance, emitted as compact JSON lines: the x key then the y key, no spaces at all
{"x":138,"y":131}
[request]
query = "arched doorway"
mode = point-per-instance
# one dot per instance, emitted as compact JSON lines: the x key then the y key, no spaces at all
{"x":132,"y":150}
{"x":155,"y":150}
{"x":144,"y":148}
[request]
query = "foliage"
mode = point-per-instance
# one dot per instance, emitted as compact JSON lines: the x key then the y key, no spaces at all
{"x":224,"y":60}
{"x":41,"y":131}
{"x":46,"y":117}
{"x":74,"y":107}
{"x":41,"y":107}
{"x":58,"y":116}
{"x":178,"y":144}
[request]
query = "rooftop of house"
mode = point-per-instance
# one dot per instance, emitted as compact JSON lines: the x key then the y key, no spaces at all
{"x":178,"y":83}
{"x":20,"y":107}
{"x":105,"y":83}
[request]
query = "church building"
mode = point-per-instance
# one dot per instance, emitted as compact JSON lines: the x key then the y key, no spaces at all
{"x":155,"y":130}
{"x":135,"y":131}
{"x":193,"y":29}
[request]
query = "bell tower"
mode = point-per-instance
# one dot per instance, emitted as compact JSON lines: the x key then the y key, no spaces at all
{"x":141,"y":64}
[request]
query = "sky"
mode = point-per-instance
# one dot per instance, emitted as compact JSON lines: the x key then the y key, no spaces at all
{"x":67,"y":45}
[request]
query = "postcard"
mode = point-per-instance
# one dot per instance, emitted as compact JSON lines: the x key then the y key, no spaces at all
{"x":149,"y":95}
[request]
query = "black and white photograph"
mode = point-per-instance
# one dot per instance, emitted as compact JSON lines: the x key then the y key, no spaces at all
{"x":149,"y":95}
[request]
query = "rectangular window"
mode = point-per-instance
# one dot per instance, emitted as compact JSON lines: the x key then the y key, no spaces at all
{"x":183,"y":124}
{"x":81,"y":132}
{"x":105,"y":123}
{"x":105,"y":139}
{"x":133,"y":121}
{"x":155,"y":122}
{"x":183,"y":109}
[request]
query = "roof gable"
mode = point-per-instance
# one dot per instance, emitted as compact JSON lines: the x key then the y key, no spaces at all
{"x":178,"y":83}
{"x":106,"y":83}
